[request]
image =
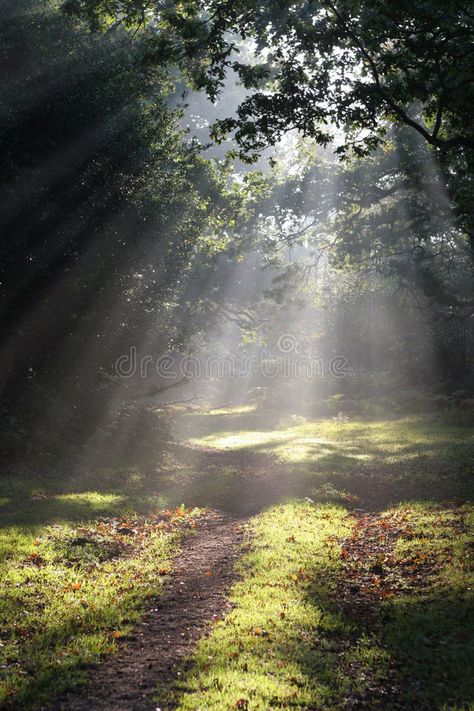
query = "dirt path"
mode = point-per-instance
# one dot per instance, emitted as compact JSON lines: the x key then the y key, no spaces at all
{"x":261,"y":481}
{"x":142,"y":674}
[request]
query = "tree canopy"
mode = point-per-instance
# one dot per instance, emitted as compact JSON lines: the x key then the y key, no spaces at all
{"x":318,"y":66}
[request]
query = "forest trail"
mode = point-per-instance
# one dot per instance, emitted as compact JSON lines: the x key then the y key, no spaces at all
{"x":142,"y":674}
{"x":385,"y":557}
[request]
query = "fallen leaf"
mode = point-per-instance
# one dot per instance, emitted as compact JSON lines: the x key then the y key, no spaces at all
{"x":71,"y":587}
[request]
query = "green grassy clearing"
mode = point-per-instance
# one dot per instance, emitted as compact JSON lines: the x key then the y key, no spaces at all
{"x":288,"y":643}
{"x":72,"y":583}
{"x":358,"y":462}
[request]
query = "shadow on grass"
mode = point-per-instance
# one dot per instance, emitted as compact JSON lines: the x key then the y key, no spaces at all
{"x":431,"y":643}
{"x":416,"y":654}
{"x":361,"y":463}
{"x":221,"y":480}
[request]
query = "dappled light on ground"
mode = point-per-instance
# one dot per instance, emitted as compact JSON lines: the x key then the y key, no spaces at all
{"x":74,"y":546}
{"x":358,"y":460}
{"x":325,"y":617}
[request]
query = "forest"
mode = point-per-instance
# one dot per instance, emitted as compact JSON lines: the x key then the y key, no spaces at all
{"x":237,"y":355}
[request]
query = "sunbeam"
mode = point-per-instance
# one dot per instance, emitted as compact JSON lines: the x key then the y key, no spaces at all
{"x":237,"y":386}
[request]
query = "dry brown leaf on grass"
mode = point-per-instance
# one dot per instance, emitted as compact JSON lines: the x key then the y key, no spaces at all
{"x":72,"y":587}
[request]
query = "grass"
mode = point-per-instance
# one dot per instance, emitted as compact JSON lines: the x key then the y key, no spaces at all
{"x":73,"y":583}
{"x":289,"y":642}
{"x":268,"y":651}
{"x":76,"y":570}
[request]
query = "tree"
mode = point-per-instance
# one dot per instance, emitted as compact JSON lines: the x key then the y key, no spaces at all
{"x":325,"y":64}
{"x":107,"y":210}
{"x":383,"y":226}
{"x":340,"y":72}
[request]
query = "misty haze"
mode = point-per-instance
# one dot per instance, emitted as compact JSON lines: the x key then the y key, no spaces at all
{"x":237,"y":362}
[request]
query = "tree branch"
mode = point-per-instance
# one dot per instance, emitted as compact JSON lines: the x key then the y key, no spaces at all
{"x":431,"y":138}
